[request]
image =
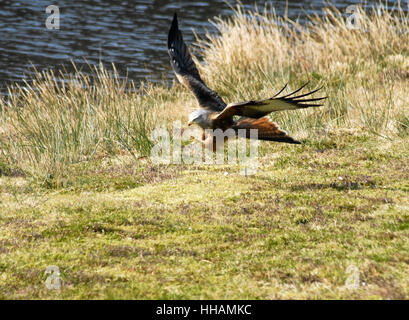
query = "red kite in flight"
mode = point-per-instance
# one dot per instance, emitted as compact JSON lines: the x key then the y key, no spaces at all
{"x":215,"y":114}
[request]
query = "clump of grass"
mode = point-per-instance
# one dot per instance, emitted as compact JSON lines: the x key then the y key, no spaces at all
{"x":364,"y":71}
{"x":51,"y":123}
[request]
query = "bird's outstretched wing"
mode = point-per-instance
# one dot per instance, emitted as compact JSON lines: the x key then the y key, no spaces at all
{"x":266,"y":129}
{"x":187,"y":73}
{"x":261,"y":108}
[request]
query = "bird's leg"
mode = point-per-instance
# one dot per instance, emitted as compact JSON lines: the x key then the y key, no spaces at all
{"x":214,"y":144}
{"x":208,"y":140}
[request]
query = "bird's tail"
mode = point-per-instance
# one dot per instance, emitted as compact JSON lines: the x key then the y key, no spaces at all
{"x":266,"y":129}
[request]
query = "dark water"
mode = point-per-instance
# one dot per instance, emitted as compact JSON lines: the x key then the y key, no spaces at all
{"x":132,"y":34}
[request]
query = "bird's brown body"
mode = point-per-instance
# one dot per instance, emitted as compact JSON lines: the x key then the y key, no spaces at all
{"x":216,"y":114}
{"x":223,"y":124}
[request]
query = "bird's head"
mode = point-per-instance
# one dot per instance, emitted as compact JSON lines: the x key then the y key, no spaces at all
{"x":199,"y":117}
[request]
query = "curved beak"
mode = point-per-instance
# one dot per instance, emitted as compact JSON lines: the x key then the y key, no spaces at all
{"x":190,"y":123}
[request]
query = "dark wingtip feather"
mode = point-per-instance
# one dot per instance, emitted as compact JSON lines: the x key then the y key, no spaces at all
{"x":292,"y":141}
{"x":309,"y":100}
{"x":280,"y":90}
{"x":299,"y":89}
{"x":306,"y":94}
{"x":175,"y":21}
{"x":303,"y":103}
{"x":173,"y":31}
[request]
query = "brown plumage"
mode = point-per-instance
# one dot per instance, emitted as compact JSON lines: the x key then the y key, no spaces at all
{"x":267,"y":130}
{"x":215,"y":114}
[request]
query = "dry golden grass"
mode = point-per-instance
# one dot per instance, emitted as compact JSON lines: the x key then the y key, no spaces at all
{"x":365,"y":71}
{"x":50,"y":124}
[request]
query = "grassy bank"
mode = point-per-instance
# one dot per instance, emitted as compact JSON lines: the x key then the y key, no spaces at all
{"x":78,"y":192}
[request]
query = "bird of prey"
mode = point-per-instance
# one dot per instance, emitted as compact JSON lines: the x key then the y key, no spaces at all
{"x":215,"y":114}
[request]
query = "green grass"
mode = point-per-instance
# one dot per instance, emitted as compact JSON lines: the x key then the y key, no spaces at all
{"x":175,"y":232}
{"x":78,"y":192}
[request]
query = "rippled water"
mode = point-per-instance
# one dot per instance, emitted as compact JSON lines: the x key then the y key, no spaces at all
{"x":132,"y":34}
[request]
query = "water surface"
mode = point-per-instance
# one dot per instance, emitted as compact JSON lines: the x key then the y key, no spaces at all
{"x":131,"y":34}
